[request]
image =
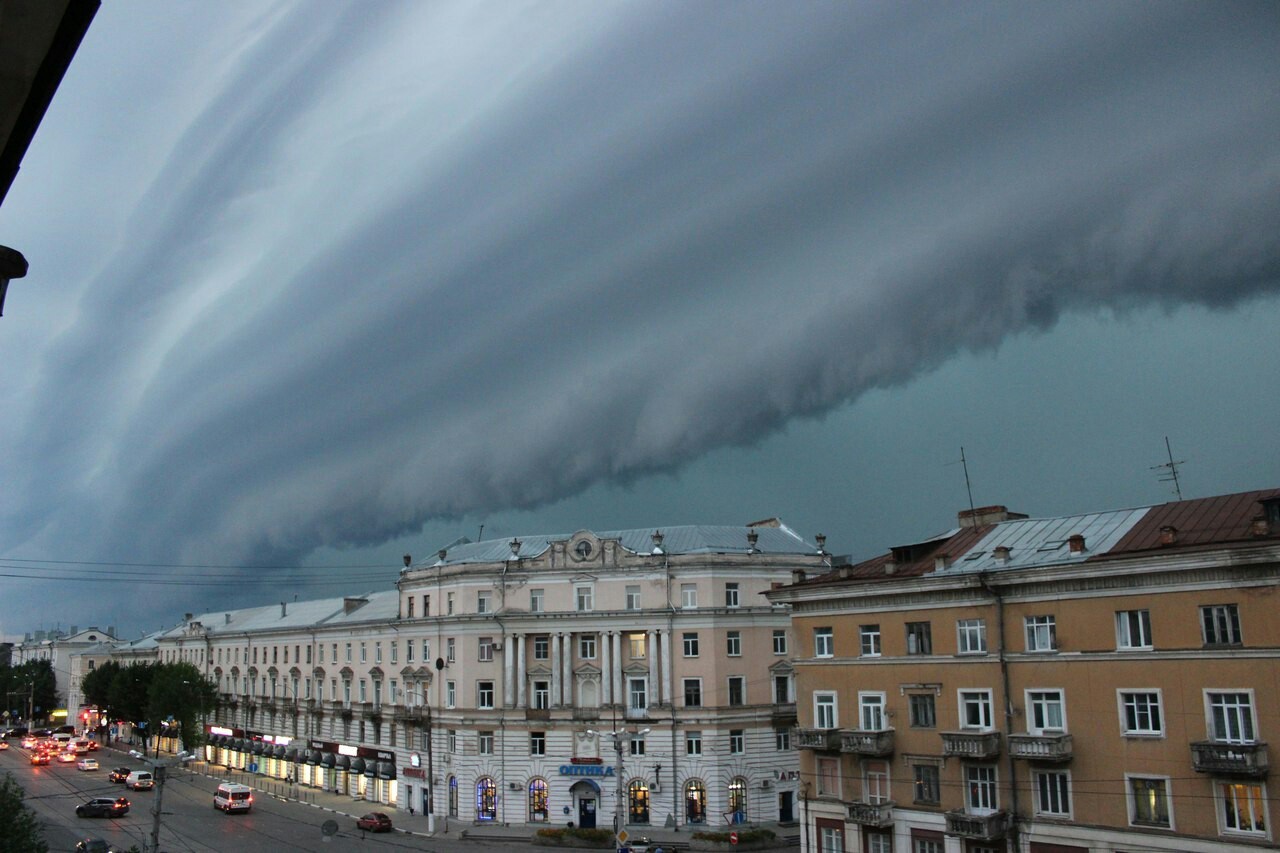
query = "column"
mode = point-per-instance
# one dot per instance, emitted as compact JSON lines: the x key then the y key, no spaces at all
{"x":522,"y":679}
{"x":555,"y":670}
{"x":606,"y":668}
{"x":651,"y":650}
{"x":566,"y":680}
{"x":508,"y":673}
{"x":665,"y":641}
{"x":619,"y":696}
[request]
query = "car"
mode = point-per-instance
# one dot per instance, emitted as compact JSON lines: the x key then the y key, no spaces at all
{"x":4,"y":744}
{"x":39,"y":758}
{"x":28,"y":742}
{"x":67,"y":757}
{"x":94,"y":746}
{"x":233,"y":797}
{"x":87,"y":764}
{"x":103,"y":807}
{"x":374,"y":822}
{"x":96,"y":845}
{"x":119,"y":774}
{"x":139,"y":780}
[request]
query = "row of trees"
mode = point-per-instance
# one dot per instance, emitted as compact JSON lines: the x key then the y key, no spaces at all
{"x":30,"y":689}
{"x":153,"y":693}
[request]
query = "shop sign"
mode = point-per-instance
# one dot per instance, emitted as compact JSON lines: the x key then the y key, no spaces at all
{"x":585,"y":770}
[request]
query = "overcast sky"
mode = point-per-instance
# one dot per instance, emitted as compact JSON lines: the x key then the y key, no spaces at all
{"x":314,"y":285}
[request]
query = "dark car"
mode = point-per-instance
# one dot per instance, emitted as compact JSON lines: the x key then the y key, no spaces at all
{"x":103,"y":807}
{"x":95,"y":845}
{"x":374,"y":822}
{"x":119,"y":774}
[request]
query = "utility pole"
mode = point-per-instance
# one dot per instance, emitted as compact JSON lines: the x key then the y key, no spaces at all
{"x":159,"y":772}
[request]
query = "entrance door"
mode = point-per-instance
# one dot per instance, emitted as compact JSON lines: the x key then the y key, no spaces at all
{"x":786,"y":806}
{"x":587,"y":812}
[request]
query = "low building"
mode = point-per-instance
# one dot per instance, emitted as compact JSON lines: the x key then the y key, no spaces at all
{"x":1097,"y":682}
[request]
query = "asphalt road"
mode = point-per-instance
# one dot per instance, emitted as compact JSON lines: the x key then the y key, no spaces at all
{"x":190,"y":824}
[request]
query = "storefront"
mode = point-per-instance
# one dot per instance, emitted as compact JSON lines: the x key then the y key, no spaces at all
{"x":361,"y":772}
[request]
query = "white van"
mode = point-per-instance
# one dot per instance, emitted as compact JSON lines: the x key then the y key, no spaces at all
{"x":140,"y":780}
{"x":233,"y":798}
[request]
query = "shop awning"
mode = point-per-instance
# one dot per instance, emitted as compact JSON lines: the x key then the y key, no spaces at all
{"x":328,"y":759}
{"x":343,"y":762}
{"x":257,"y":747}
{"x":292,"y":753}
{"x":386,"y":770}
{"x":312,"y":756}
{"x":357,"y":765}
{"x":278,"y":752}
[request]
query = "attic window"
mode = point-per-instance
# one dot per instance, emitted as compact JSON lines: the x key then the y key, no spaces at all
{"x":1053,"y":545}
{"x":976,"y":555}
{"x":1272,"y":508}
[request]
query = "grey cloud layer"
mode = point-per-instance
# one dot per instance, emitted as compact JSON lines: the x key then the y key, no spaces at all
{"x":412,"y":261}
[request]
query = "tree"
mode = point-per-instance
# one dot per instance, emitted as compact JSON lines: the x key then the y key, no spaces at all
{"x":179,"y":691}
{"x":96,"y":685}
{"x":20,"y":832}
{"x":127,"y":695}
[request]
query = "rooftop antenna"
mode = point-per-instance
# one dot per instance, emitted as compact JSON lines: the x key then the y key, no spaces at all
{"x":480,"y":536}
{"x":1170,"y":469}
{"x":973,"y":519}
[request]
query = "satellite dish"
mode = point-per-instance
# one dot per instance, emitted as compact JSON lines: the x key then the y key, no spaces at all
{"x":329,"y":827}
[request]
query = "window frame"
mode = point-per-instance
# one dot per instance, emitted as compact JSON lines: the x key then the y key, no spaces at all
{"x":1122,"y":701}
{"x":926,"y":701}
{"x":1248,"y":719}
{"x":732,"y":595}
{"x":969,"y":631}
{"x":824,"y":642}
{"x":688,"y":596}
{"x":1209,"y":621}
{"x":1035,"y":697}
{"x":485,"y":694}
{"x":919,"y":638}
{"x":696,"y":684}
{"x":869,"y":641}
{"x":1131,"y":800}
{"x":780,"y":641}
{"x":826,"y":703}
{"x":689,"y":644}
{"x":733,"y":644}
{"x":875,"y":704}
{"x":1041,"y":633}
{"x":741,"y":683}
{"x":1125,"y":628}
{"x":978,"y":697}
{"x":1224,"y":810}
{"x":1058,"y":787}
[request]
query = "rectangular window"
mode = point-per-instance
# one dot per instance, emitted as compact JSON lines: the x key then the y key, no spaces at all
{"x":737,"y":741}
{"x":449,"y":598}
{"x":485,"y":743}
{"x":1140,"y":713}
{"x":693,"y":743}
{"x":980,"y":789}
{"x":926,"y":784}
{"x":871,"y":712}
{"x":1244,"y":807}
{"x":451,"y":741}
{"x":541,"y":695}
{"x":1221,"y":624}
{"x":922,"y":709}
{"x":364,"y":656}
{"x":975,"y":709}
{"x":693,"y":692}
{"x":971,"y":636}
{"x":782,"y":689}
{"x":779,"y":642}
{"x":733,"y":644}
{"x":482,"y":602}
{"x":919,"y":638}
{"x":824,"y":710}
{"x":486,"y":649}
{"x":1133,"y":629}
{"x":451,"y":694}
{"x":782,"y":740}
{"x":426,"y":605}
{"x":1042,"y":633}
{"x":363,"y":692}
{"x":484,"y":694}
{"x":584,"y":598}
{"x":408,"y":651}
{"x":828,"y":776}
{"x":690,"y":641}
{"x":869,"y":640}
{"x":875,"y":782}
{"x":395,"y":652}
{"x":637,"y":694}
{"x":1149,"y":801}
{"x":537,"y":600}
{"x":1230,"y":717}
{"x":688,"y":596}
{"x":636,"y":745}
{"x":1045,"y":712}
{"x":542,"y":647}
{"x":737,"y":690}
{"x":635,"y":643}
{"x":587,"y":646}
{"x":731,"y":595}
{"x":633,"y":597}
{"x":450,"y":650}
{"x":426,"y":651}
{"x":377,"y":652}
{"x":1052,"y":793}
{"x":824,"y":644}
{"x":537,"y":743}
{"x":348,"y":652}
{"x":395,"y":691}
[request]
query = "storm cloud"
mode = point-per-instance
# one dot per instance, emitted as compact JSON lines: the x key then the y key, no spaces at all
{"x":375,"y":264}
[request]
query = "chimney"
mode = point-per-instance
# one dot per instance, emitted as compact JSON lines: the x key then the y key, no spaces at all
{"x":1260,"y":527}
{"x":941,"y":562}
{"x":283,"y":610}
{"x":1075,"y":543}
{"x":186,"y":617}
{"x":75,"y":629}
{"x":1001,"y":553}
{"x":979,"y":516}
{"x":752,"y":539}
{"x":797,"y":575}
{"x":890,"y":566}
{"x":1168,"y":535}
{"x":821,"y":539}
{"x":351,"y":604}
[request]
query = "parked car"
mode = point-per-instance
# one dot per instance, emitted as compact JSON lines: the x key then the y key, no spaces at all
{"x":139,"y":780}
{"x":103,"y":807}
{"x":119,"y":774}
{"x":87,"y":764}
{"x":374,"y":822}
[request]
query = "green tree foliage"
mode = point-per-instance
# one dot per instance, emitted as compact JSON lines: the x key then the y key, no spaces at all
{"x":127,"y":695}
{"x":20,"y":832}
{"x":29,"y":686}
{"x":179,"y":691}
{"x":96,"y":686}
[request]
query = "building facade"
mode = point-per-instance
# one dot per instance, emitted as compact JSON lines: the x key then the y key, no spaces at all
{"x":1100,"y":682}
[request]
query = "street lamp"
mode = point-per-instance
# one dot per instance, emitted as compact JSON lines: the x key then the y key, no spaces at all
{"x":617,"y":736}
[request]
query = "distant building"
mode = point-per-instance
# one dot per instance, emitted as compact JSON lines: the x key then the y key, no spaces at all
{"x":60,"y":649}
{"x":1098,"y":682}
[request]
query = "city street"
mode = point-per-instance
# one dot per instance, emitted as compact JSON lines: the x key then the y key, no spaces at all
{"x":190,"y":822}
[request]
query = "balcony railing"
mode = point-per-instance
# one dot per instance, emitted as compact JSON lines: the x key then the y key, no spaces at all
{"x":980,"y":827}
{"x":537,"y":713}
{"x":976,"y":745}
{"x":1041,"y":747}
{"x":817,"y":739}
{"x":586,"y":713}
{"x":871,"y":814}
{"x":1231,"y":759}
{"x":867,"y":743}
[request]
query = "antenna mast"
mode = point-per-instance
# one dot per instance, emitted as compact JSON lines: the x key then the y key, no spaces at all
{"x":1170,"y":469}
{"x":967,"y":486}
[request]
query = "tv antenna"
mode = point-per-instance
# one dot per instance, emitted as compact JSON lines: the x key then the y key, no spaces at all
{"x":1169,"y":470}
{"x":967,"y":486}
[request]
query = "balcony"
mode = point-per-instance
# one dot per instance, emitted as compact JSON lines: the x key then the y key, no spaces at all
{"x":871,"y":814}
{"x":974,"y":745}
{"x":542,"y":714}
{"x":979,"y":827}
{"x":827,"y":739}
{"x":586,"y":713}
{"x":1230,"y":759}
{"x":783,"y":715}
{"x":867,"y":743}
{"x":410,"y":713}
{"x":1041,"y":747}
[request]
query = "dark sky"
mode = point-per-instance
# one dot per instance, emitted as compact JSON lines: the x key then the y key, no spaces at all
{"x":317,"y":284}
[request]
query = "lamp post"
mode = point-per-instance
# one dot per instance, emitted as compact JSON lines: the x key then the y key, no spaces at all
{"x":617,"y":736}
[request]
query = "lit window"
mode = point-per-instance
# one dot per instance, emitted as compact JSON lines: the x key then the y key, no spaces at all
{"x":1244,"y":807}
{"x":1149,"y":801}
{"x":636,"y":643}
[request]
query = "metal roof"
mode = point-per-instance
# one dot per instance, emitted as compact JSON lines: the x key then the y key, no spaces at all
{"x":1043,"y":541}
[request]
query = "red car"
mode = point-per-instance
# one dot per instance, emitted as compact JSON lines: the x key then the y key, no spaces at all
{"x":374,"y":822}
{"x":39,"y":758}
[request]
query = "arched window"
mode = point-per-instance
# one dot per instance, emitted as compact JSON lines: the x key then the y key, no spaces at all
{"x":486,"y":799}
{"x":738,"y":800}
{"x":538,"y":799}
{"x":453,"y":796}
{"x":695,"y":801}
{"x":638,"y":802}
